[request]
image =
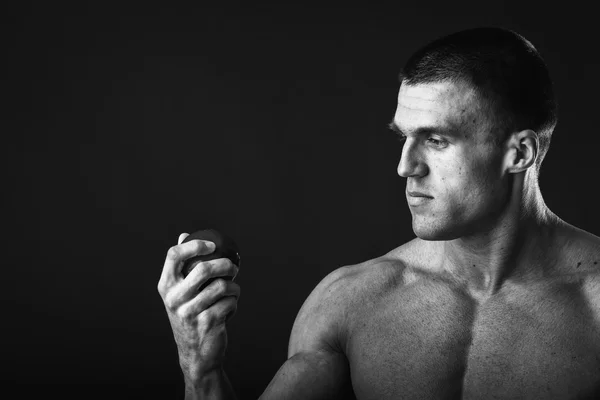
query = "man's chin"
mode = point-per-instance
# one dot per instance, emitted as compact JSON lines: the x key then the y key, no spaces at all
{"x":433,"y":233}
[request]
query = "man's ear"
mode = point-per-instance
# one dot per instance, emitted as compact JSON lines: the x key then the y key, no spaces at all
{"x":522,"y":149}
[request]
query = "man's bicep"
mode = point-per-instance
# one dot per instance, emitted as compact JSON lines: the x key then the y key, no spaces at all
{"x":321,"y":321}
{"x":316,"y":367}
{"x":319,"y":375}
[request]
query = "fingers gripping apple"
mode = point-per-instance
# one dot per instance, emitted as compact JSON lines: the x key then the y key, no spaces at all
{"x":200,"y":296}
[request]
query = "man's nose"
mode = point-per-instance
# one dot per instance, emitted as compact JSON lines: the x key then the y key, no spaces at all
{"x":411,"y":162}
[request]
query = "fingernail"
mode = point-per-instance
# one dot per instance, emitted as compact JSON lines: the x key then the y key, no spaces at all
{"x":210,"y":245}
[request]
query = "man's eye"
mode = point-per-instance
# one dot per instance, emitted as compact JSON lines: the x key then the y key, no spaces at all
{"x":436,"y":142}
{"x":401,"y":138}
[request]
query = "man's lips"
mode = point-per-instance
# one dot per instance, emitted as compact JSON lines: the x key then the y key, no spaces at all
{"x":417,"y":199}
{"x":418,"y":194}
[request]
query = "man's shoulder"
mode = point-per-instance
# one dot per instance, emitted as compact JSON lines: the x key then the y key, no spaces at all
{"x":324,"y":318}
{"x":386,"y":272}
{"x":579,"y":251}
{"x":327,"y":313}
{"x":586,"y":243}
{"x":578,"y":262}
{"x":345,"y":288}
{"x":584,"y":259}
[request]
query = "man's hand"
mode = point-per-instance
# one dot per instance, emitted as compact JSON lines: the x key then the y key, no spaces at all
{"x":198,"y":318}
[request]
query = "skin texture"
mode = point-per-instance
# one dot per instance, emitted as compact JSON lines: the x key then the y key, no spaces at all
{"x":416,"y":332}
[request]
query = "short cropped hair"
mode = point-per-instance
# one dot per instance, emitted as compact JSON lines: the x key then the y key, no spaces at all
{"x":505,"y":70}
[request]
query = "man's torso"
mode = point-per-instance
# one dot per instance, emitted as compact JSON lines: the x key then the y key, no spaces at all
{"x":414,"y":333}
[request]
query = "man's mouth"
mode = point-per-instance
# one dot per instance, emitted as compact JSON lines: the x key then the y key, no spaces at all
{"x":418,"y":194}
{"x":415,"y":199}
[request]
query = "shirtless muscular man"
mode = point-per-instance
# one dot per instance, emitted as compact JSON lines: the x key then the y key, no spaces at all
{"x":495,"y":298}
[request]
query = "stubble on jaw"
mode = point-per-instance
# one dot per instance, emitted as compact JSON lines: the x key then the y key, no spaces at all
{"x":459,"y":107}
{"x":482,"y":157}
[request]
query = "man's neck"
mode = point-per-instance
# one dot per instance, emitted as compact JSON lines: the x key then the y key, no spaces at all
{"x":516,"y":244}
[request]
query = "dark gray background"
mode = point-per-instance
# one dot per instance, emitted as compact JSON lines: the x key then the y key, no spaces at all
{"x":127,"y":125}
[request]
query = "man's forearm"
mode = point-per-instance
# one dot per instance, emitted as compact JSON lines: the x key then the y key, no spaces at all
{"x":213,"y":386}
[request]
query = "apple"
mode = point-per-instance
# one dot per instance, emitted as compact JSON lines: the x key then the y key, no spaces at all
{"x":225,"y":248}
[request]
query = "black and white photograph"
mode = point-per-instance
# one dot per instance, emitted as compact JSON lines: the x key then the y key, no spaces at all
{"x":297,"y":200}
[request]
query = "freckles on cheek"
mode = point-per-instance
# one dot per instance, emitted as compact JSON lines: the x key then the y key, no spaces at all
{"x":458,"y":180}
{"x":450,"y":174}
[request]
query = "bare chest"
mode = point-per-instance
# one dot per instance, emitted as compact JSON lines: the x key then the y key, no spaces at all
{"x":431,"y":341}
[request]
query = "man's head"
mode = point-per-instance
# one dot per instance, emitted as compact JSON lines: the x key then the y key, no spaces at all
{"x":477,"y":107}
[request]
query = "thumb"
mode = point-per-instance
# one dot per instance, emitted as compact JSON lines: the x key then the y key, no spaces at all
{"x":181,"y":237}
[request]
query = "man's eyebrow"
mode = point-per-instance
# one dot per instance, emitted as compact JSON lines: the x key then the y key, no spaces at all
{"x":424,"y":130}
